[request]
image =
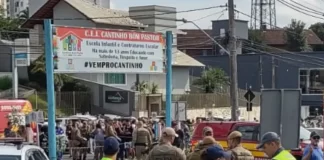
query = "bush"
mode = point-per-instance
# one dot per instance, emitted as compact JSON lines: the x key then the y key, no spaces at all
{"x":42,"y":105}
{"x":5,"y":83}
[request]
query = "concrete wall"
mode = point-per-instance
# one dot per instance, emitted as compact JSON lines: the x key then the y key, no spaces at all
{"x":180,"y":80}
{"x":98,"y":101}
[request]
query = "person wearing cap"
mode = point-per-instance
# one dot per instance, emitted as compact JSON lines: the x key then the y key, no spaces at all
{"x":313,"y":151}
{"x":206,"y":143}
{"x":111,"y":148}
{"x":236,"y":150}
{"x":215,"y":153}
{"x":207,"y":131}
{"x":270,"y":144}
{"x":142,"y":140}
{"x":165,"y":150}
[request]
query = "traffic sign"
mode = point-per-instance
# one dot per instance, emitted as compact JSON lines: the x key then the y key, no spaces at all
{"x":249,"y":95}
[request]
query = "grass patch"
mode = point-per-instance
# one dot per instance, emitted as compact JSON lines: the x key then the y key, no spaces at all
{"x":42,"y":105}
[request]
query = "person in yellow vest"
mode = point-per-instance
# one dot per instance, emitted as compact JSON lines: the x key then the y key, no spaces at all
{"x":111,"y":148}
{"x":271,"y":145}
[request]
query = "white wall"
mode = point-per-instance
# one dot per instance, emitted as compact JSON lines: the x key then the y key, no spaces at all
{"x":180,"y":80}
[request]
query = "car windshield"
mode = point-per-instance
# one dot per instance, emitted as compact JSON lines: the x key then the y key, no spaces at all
{"x":9,"y":157}
{"x":304,"y":133}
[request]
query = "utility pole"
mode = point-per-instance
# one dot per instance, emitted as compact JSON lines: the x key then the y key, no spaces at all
{"x":261,"y":71}
{"x":233,"y":60}
{"x":273,"y":73}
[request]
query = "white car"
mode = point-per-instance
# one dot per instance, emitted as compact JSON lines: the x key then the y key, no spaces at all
{"x":15,"y":149}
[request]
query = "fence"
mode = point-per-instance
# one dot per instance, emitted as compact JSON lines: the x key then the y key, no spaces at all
{"x":199,"y":101}
{"x":67,"y":103}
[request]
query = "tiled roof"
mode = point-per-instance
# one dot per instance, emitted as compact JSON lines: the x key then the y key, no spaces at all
{"x":182,"y":59}
{"x":89,"y":10}
{"x":276,"y":37}
{"x":197,"y":39}
{"x":194,"y":39}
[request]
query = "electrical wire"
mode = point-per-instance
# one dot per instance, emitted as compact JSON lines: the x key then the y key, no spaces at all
{"x":298,"y":10}
{"x":137,"y":16}
{"x":308,"y":8}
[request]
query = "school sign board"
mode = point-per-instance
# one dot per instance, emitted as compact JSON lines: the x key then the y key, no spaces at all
{"x":91,"y":50}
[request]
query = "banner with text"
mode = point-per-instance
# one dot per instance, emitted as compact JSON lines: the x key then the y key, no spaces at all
{"x":89,"y":50}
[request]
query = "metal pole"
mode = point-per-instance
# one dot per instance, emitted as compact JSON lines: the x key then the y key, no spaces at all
{"x":14,"y":75}
{"x":50,"y":88}
{"x":261,"y":72}
{"x":168,"y":94}
{"x":273,"y":73}
{"x":74,"y":110}
{"x":233,"y":60}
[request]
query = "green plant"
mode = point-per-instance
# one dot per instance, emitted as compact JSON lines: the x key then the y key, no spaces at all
{"x":153,"y":88}
{"x":42,"y":105}
{"x":141,"y":87}
{"x":5,"y":83}
{"x":211,"y":79}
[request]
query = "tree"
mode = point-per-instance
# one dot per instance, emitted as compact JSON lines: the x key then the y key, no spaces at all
{"x":59,"y":79}
{"x":211,"y":79}
{"x":255,"y":41}
{"x":295,"y":36}
{"x":318,"y":29}
{"x":24,"y":15}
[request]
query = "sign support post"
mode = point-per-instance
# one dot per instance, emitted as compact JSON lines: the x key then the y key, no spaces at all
{"x":14,"y":75}
{"x":169,"y":39}
{"x":50,"y":88}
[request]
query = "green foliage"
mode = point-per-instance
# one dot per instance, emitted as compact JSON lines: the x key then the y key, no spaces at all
{"x":153,"y":88}
{"x":39,"y":66}
{"x":295,"y":36}
{"x":24,"y":15}
{"x":211,"y":79}
{"x":318,"y":29}
{"x":142,"y":87}
{"x":5,"y":83}
{"x":255,"y":41}
{"x":42,"y":105}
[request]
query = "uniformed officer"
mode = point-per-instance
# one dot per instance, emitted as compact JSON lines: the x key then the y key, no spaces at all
{"x":165,"y":150}
{"x":207,"y":131}
{"x":237,"y":151}
{"x":76,"y":140}
{"x":206,"y":142}
{"x":271,"y":145}
{"x":142,"y":140}
{"x":85,"y":133}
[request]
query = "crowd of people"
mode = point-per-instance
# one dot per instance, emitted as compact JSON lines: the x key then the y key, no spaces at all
{"x":112,"y":139}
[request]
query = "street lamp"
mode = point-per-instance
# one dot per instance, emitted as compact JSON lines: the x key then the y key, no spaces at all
{"x":192,"y":22}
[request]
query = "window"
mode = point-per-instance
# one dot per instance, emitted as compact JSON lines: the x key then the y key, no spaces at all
{"x":115,"y":78}
{"x":38,"y":155}
{"x":249,"y":133}
{"x":21,"y":4}
{"x":17,"y":4}
{"x":311,"y":81}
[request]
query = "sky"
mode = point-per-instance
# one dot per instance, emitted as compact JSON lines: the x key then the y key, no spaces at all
{"x":284,"y":14}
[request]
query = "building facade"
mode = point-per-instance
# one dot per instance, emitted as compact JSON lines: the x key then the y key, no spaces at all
{"x":289,"y":71}
{"x":86,"y":11}
{"x":15,"y":7}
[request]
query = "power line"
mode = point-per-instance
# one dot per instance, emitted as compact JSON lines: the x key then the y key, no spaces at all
{"x":318,"y":12}
{"x":137,"y":16}
{"x":298,"y":10}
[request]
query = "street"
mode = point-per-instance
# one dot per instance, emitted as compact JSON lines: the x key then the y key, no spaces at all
{"x":67,"y":157}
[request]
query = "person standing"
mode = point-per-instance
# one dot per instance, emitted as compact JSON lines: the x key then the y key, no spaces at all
{"x":215,"y":153}
{"x":206,"y":142}
{"x":111,"y":148}
{"x":142,"y":140}
{"x":313,"y":151}
{"x":165,"y":150}
{"x":99,"y":138}
{"x":61,"y":141}
{"x":271,"y":145}
{"x":236,"y":150}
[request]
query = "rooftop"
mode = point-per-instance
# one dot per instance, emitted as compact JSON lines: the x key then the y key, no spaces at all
{"x":91,"y":11}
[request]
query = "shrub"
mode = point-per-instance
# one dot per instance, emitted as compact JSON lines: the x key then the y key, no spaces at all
{"x":5,"y":83}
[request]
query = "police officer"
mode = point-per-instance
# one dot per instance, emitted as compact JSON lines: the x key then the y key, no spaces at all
{"x":85,"y":133}
{"x":165,"y":150}
{"x":207,"y":131}
{"x":76,"y":140}
{"x":271,"y":145}
{"x":235,"y":148}
{"x":206,"y":142}
{"x":142,"y":140}
{"x":111,"y":148}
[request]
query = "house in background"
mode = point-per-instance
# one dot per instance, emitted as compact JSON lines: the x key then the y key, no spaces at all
{"x":83,"y":9}
{"x":196,"y":43}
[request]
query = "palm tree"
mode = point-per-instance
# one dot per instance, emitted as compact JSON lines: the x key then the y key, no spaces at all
{"x":211,"y":79}
{"x":24,"y":15}
{"x":39,"y":66}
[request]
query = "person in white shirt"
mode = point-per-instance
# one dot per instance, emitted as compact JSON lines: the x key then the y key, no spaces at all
{"x":29,"y":134}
